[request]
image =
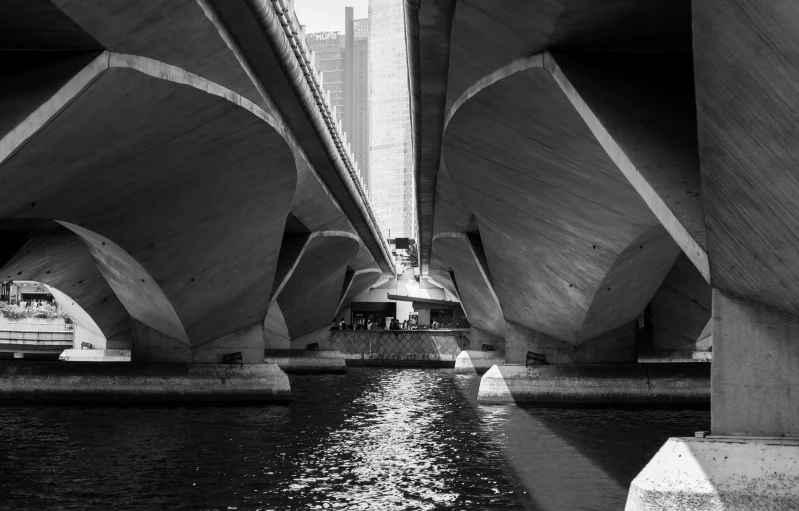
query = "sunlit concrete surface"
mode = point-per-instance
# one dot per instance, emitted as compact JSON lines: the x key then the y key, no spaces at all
{"x":94,"y":355}
{"x":661,"y":384}
{"x":150,"y":383}
{"x":680,"y":310}
{"x":477,"y":362}
{"x":302,"y":361}
{"x":715,"y":474}
{"x":668,"y":357}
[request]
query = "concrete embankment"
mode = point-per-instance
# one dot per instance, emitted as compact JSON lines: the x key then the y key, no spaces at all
{"x":675,"y":357}
{"x":307,"y":361}
{"x":648,"y":384}
{"x":73,"y":355}
{"x":143,"y":383}
{"x":477,"y":362}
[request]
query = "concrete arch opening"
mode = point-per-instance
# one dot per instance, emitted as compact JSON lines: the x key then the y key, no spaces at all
{"x":39,"y":322}
{"x":184,"y":206}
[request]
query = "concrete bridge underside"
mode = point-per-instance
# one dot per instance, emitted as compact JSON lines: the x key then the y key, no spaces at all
{"x":161,"y":169}
{"x":583,"y":165}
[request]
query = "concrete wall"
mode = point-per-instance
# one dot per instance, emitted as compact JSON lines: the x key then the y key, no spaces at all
{"x":275,"y":330}
{"x":459,"y":261}
{"x":754,"y":375}
{"x":614,"y":347}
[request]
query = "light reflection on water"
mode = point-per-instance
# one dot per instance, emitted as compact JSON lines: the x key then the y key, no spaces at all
{"x":373,"y":439}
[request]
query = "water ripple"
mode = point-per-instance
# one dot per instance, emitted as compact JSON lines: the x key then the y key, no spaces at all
{"x":375,"y":439}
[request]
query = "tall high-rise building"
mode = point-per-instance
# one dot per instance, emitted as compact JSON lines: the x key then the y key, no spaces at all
{"x":360,"y":108}
{"x":328,"y":48}
{"x":343,"y":62}
{"x":391,"y":182}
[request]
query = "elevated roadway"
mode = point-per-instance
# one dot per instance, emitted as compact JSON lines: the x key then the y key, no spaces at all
{"x":172,"y":169}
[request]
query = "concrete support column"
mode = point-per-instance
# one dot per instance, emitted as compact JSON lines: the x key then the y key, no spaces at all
{"x":478,"y":337}
{"x":600,"y":370}
{"x":475,"y":360}
{"x":755,"y":375}
{"x":750,"y":460}
{"x":296,"y":358}
{"x":614,"y":347}
{"x":150,"y":345}
{"x":249,"y":341}
{"x":141,"y":382}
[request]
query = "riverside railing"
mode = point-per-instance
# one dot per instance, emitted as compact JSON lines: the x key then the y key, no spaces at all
{"x":443,"y":344}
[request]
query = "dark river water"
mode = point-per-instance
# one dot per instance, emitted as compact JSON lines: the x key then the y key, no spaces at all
{"x":373,"y":439}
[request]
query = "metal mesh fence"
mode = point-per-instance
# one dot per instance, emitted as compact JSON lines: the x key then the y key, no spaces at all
{"x":400,"y":344}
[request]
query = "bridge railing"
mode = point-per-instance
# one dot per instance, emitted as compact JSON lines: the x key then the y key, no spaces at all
{"x":305,"y":58}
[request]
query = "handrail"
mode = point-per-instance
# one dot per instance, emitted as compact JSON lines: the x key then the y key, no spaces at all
{"x":277,"y":22}
{"x":420,"y":330}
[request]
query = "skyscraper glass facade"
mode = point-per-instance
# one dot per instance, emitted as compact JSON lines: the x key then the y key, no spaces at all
{"x":328,"y":48}
{"x":391,"y":182}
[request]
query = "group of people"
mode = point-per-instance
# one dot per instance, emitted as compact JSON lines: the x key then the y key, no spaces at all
{"x":395,"y":325}
{"x":435,"y":325}
{"x":371,"y":324}
{"x":343,"y":325}
{"x":36,"y":304}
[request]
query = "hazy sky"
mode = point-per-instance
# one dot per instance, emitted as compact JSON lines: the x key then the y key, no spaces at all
{"x":327,"y":15}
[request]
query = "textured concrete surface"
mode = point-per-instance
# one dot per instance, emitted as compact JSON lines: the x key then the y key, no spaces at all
{"x":755,"y":376}
{"x":131,"y":382}
{"x":149,"y":237}
{"x":223,"y":42}
{"x":680,"y":309}
{"x":746,"y":101}
{"x":86,"y":329}
{"x":669,"y":357}
{"x":249,"y":341}
{"x":307,"y":361}
{"x":574,"y":251}
{"x":460,"y":265}
{"x":640,"y":108}
{"x":478,"y":337}
{"x":428,"y":33}
{"x":355,"y":283}
{"x":275,"y":331}
{"x":655,"y":384}
{"x":477,"y":362}
{"x":310,"y":289}
{"x":94,"y":355}
{"x":616,"y":346}
{"x":586,"y":193}
{"x":715,"y":474}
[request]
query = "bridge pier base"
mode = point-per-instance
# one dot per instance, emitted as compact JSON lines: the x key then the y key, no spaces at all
{"x":141,"y":383}
{"x":307,"y":361}
{"x":477,"y":362}
{"x":751,"y":459}
{"x":724,"y":473}
{"x":644,"y":384}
